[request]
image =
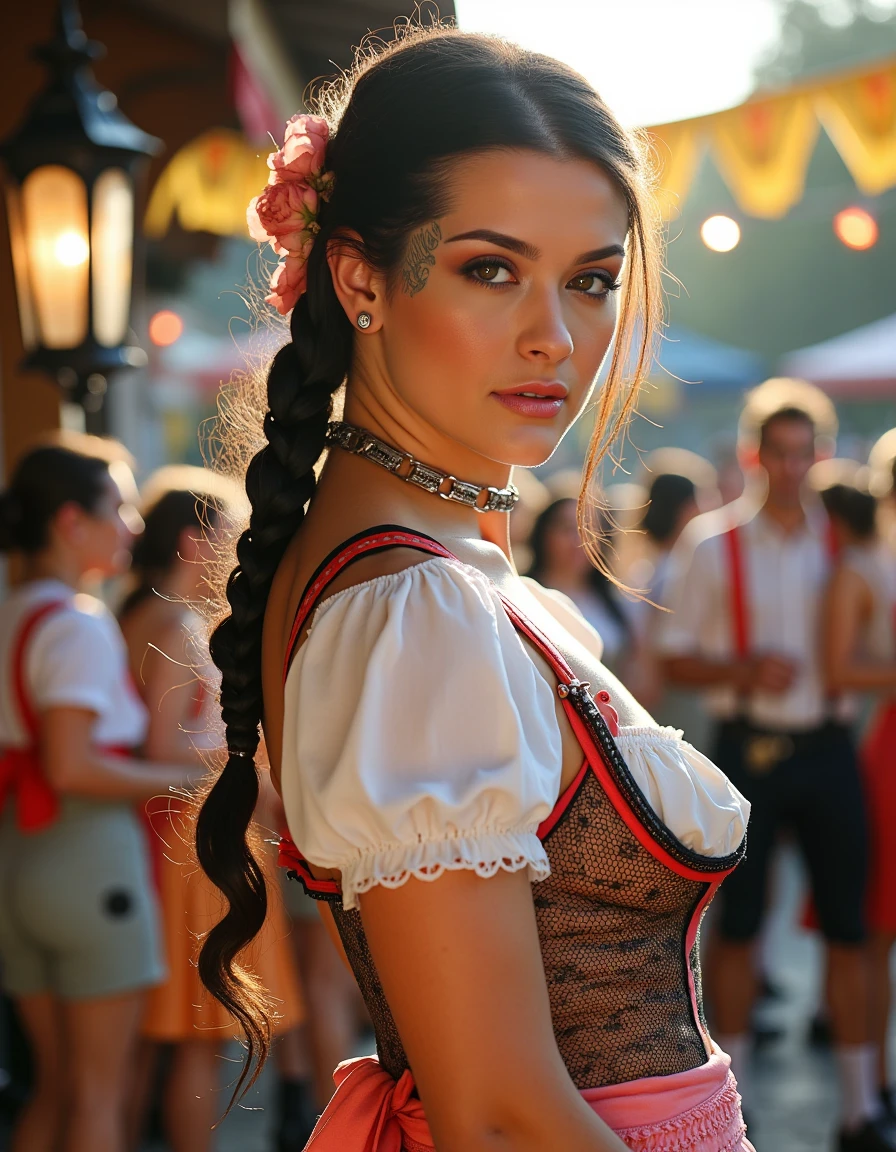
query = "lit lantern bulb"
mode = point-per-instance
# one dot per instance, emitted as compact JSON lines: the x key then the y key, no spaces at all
{"x":856,"y":228}
{"x":720,"y":233}
{"x":71,"y":248}
{"x":165,"y":328}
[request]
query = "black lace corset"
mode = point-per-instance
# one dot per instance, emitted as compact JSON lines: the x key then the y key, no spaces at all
{"x":614,"y":921}
{"x":618,"y":917}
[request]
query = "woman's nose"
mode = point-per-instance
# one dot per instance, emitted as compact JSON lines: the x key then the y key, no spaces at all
{"x":546,"y":335}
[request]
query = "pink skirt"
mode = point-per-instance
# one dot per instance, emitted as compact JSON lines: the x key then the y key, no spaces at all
{"x":697,"y":1111}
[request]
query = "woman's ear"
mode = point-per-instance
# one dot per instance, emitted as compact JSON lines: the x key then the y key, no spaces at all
{"x":360,"y":288}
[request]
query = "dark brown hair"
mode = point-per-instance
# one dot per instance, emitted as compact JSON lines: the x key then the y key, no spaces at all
{"x":406,"y":112}
{"x":44,"y":481}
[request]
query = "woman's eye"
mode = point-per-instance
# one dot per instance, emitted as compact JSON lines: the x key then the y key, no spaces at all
{"x":590,"y":284}
{"x":491,"y":273}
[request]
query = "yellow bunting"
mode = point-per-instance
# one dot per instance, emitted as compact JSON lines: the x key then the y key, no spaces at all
{"x":677,"y":150}
{"x":208,"y":185}
{"x":860,"y":117}
{"x":762,"y":150}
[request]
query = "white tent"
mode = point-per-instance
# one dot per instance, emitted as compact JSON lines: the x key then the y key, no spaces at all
{"x":860,"y":363}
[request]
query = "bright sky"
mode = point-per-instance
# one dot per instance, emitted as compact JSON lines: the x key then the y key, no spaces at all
{"x":651,"y":60}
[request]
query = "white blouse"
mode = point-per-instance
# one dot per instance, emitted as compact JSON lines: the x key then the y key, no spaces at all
{"x":77,"y":658}
{"x":420,"y":736}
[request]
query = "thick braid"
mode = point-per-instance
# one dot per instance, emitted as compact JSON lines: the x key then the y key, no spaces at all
{"x":279,"y":482}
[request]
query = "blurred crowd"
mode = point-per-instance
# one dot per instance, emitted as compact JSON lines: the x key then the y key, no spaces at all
{"x":749,"y":600}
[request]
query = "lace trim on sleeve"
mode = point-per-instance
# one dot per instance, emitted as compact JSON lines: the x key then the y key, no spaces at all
{"x":485,"y":852}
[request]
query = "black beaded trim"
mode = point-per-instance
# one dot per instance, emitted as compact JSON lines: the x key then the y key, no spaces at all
{"x":326,"y":897}
{"x":585,"y":706}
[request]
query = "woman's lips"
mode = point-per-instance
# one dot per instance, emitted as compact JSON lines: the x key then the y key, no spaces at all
{"x":538,"y":400}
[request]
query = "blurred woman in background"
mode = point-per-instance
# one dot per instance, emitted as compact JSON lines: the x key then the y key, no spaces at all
{"x":672,"y":504}
{"x":165,"y":632}
{"x":860,"y":655}
{"x":79,"y":934}
{"x":560,"y":562}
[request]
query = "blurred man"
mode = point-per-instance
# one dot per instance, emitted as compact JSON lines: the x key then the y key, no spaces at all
{"x":746,"y":595}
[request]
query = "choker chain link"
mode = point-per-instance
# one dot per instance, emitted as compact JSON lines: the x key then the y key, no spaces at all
{"x":403,"y":465}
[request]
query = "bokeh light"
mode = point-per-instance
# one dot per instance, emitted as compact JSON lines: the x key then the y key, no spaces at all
{"x":856,"y":228}
{"x":720,"y":233}
{"x":165,"y":327}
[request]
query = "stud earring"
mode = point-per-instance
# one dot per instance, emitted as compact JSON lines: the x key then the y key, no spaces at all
{"x":364,"y":320}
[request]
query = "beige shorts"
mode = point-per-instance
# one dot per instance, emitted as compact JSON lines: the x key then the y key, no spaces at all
{"x":78,"y":912}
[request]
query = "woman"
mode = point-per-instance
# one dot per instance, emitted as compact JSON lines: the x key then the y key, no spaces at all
{"x":79,"y":942}
{"x":484,"y":207}
{"x":164,"y":633}
{"x":860,"y":656}
{"x":672,"y":504}
{"x":560,"y":562}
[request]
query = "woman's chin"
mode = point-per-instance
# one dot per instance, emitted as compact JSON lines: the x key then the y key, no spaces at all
{"x":533,"y":449}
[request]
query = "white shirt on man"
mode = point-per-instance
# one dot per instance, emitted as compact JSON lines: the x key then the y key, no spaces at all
{"x":784,"y":576}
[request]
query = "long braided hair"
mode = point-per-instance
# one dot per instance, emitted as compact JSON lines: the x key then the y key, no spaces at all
{"x":396,"y":122}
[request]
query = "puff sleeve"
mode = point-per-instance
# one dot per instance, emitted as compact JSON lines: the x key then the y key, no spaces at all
{"x":419,"y":736}
{"x":692,"y":797}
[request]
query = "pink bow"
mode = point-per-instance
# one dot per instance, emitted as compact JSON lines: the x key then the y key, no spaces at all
{"x":370,"y":1112}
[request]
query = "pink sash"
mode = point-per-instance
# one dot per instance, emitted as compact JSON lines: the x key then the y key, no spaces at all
{"x":696,"y":1111}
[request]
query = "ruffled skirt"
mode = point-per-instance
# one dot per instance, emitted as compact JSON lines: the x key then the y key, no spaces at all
{"x":180,"y":1008}
{"x":696,"y":1111}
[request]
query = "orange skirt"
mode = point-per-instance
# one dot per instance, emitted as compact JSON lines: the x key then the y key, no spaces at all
{"x":181,"y":1008}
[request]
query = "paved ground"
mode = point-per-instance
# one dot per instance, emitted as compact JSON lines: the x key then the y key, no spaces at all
{"x":795,"y":1087}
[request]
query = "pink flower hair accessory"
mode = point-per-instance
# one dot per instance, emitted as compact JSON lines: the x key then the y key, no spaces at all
{"x":285,"y":215}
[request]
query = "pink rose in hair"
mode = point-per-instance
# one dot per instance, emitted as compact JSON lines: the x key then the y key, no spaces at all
{"x":285,"y":214}
{"x":288,"y":282}
{"x":303,"y":148}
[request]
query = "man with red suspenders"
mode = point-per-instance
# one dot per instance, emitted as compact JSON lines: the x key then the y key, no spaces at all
{"x":745,"y":627}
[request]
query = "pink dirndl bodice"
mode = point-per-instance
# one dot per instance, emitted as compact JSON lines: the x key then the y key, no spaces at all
{"x":618,"y":920}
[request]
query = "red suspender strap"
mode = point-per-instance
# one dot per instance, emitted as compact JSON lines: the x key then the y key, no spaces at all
{"x":20,"y":770}
{"x":738,"y":593}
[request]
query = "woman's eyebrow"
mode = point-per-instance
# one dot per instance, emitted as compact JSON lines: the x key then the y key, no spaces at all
{"x":529,"y":251}
{"x":521,"y":247}
{"x":601,"y":253}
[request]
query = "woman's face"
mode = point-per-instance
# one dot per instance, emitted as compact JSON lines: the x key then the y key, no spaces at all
{"x":104,"y":536}
{"x":490,"y":339}
{"x":564,"y":552}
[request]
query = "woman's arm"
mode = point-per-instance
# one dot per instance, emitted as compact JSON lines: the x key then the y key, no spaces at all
{"x":461,"y":967}
{"x":74,"y":765}
{"x":847,"y":609}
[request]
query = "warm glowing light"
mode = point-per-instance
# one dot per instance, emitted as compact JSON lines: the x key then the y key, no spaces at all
{"x":165,"y":327}
{"x":720,"y":233}
{"x":856,"y":228}
{"x":71,"y":248}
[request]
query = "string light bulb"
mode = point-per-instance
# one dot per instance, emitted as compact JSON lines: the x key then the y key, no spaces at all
{"x":856,"y":228}
{"x":165,"y":328}
{"x":720,"y":233}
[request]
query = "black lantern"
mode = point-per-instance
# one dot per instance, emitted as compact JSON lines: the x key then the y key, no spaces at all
{"x":72,"y":170}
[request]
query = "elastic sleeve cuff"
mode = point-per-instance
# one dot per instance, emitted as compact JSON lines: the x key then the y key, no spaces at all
{"x":484,"y":852}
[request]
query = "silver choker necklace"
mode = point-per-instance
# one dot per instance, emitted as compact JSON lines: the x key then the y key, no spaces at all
{"x":405,"y":467}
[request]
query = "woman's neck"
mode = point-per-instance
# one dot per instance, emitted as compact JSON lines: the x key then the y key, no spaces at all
{"x":54,"y":564}
{"x":423,"y":442}
{"x":183,"y":582}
